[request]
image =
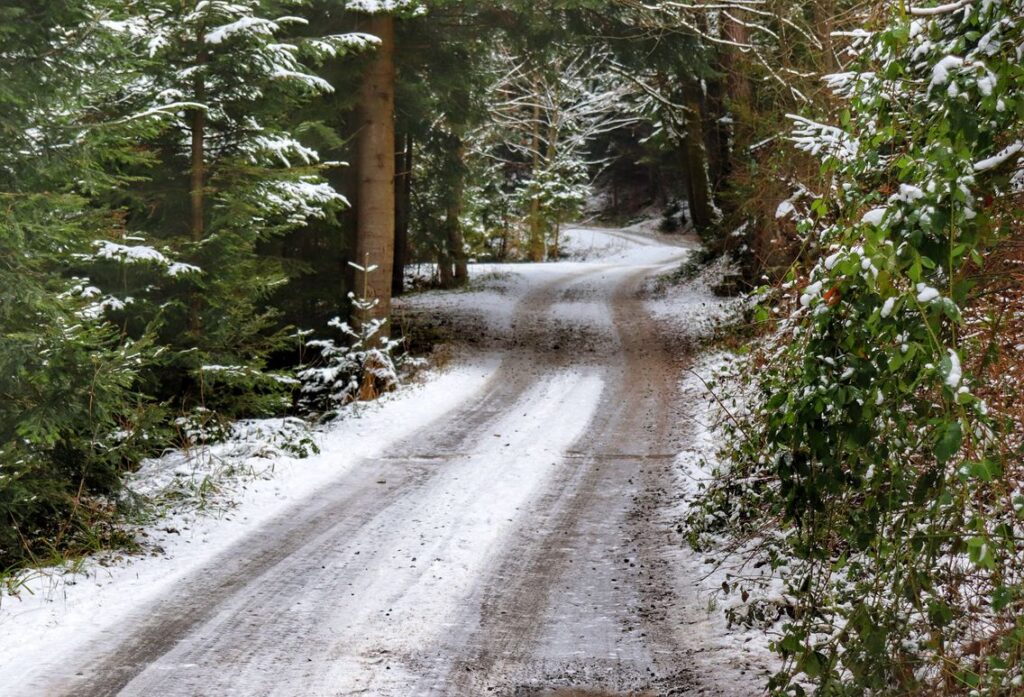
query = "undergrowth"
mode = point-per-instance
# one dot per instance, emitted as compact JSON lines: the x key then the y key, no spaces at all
{"x":878,"y":468}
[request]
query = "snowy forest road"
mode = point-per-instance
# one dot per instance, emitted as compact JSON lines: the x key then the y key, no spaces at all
{"x":512,"y":547}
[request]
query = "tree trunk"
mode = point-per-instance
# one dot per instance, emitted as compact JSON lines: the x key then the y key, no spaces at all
{"x":823,"y":14}
{"x":403,"y":203}
{"x":536,"y":240}
{"x":445,"y":277}
{"x":197,"y":175}
{"x":453,"y":222}
{"x":740,"y":89}
{"x":695,"y":162}
{"x":716,"y":133}
{"x":375,"y":165}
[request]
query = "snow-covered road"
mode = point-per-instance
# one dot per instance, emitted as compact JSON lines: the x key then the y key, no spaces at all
{"x":497,"y":531}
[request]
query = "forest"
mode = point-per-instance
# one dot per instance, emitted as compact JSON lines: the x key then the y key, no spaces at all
{"x":731,"y":290}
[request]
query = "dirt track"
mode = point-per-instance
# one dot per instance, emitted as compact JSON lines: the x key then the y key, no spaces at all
{"x":493,"y":553}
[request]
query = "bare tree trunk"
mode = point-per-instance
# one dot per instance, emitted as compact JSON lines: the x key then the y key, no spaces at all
{"x":197,"y":174}
{"x":456,"y":242}
{"x":716,"y":132}
{"x":740,"y":90}
{"x":403,"y":196}
{"x":536,"y":240}
{"x":695,"y":162}
{"x":375,"y":163}
{"x":445,"y":277}
{"x":506,"y":230}
{"x":823,"y":13}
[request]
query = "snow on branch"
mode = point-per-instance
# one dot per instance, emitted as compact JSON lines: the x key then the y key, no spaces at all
{"x":299,"y":201}
{"x":336,"y":45}
{"x":280,"y":147}
{"x":1000,"y":157}
{"x":373,"y":7}
{"x":821,"y":139}
{"x":243,"y":25}
{"x":939,"y":9}
{"x":139,"y":254}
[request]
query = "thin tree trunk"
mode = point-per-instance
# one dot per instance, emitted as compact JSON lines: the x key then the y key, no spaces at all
{"x":197,"y":174}
{"x":716,"y":133}
{"x":823,"y":13}
{"x":456,"y":242}
{"x":536,"y":240}
{"x":197,"y":177}
{"x":403,"y":201}
{"x":375,"y":162}
{"x":445,"y":277}
{"x":197,"y":125}
{"x":695,"y":162}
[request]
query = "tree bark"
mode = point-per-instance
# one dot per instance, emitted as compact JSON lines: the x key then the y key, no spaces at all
{"x":453,"y":222}
{"x":403,"y":204}
{"x":823,"y":14}
{"x":197,"y":126}
{"x":375,"y":164}
{"x":695,"y":162}
{"x":716,"y":133}
{"x":445,"y":277}
{"x":536,"y":240}
{"x":197,"y":174}
{"x":740,"y":88}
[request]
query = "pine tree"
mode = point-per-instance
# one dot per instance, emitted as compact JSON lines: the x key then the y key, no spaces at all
{"x":67,"y":381}
{"x":228,"y":177}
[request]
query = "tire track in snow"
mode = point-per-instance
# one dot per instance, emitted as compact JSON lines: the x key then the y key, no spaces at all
{"x":569,"y":604}
{"x":387,"y":585}
{"x":118,"y":657}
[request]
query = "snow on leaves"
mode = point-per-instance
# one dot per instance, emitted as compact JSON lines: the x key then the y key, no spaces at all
{"x":299,"y":200}
{"x":822,"y":140}
{"x":413,"y":7}
{"x":869,"y":426}
{"x":141,"y":254}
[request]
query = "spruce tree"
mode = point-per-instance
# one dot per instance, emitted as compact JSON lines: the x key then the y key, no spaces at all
{"x":227,"y":177}
{"x":67,"y":394}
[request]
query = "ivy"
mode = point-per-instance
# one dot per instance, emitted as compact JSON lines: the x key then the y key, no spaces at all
{"x":880,"y":462}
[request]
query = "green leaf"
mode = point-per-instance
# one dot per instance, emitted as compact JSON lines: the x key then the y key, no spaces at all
{"x":790,"y":645}
{"x":814,"y":663}
{"x":980,"y":553}
{"x":1001,"y":598}
{"x":950,"y":436}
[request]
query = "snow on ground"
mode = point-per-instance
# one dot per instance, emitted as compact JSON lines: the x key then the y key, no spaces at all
{"x":634,"y":247}
{"x":710,"y":572}
{"x":691,"y":307}
{"x":491,"y":297}
{"x":475,"y":504}
{"x":55,"y":613}
{"x":488,"y":305}
{"x":693,"y":311}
